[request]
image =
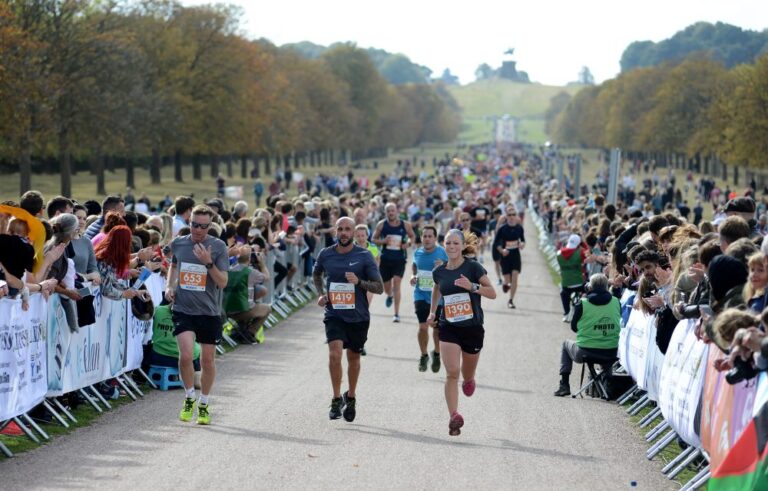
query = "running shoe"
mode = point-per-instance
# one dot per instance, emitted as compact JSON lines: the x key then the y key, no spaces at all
{"x":188,"y":410}
{"x":468,"y":387}
{"x":511,"y":304}
{"x":435,"y":362}
{"x":203,"y":415}
{"x":349,"y":407}
{"x":455,"y":424}
{"x":505,"y":288}
{"x":423,"y":362}
{"x":395,"y":318}
{"x":260,"y":335}
{"x":388,"y":302}
{"x":337,"y":405}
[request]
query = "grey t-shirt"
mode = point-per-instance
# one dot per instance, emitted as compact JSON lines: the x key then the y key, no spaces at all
{"x":349,"y":302}
{"x":85,"y":259}
{"x":197,"y":293}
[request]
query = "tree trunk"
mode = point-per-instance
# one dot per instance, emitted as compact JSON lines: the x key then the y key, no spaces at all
{"x":97,"y":165}
{"x":177,"y":169}
{"x":197,"y":171}
{"x":244,"y":166}
{"x":130,"y":177}
{"x":214,"y":165}
{"x":267,"y":165}
{"x":65,"y":163}
{"x":154,"y":166}
{"x":256,"y":169}
{"x":312,"y":158}
{"x":229,"y":165}
{"x":25,"y":165}
{"x":331,"y":158}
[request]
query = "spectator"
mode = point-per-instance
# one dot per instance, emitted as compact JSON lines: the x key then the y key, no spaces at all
{"x":59,"y":205}
{"x":112,"y":220}
{"x":81,"y":250}
{"x":183,"y":210}
{"x":240,"y":294}
{"x":571,"y":261}
{"x":32,"y":202}
{"x":596,"y":322}
{"x":111,"y":203}
{"x":113,"y":258}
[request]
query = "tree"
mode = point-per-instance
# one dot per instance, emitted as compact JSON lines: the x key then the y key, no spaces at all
{"x":484,"y":72}
{"x":586,"y":77}
{"x":448,"y":78}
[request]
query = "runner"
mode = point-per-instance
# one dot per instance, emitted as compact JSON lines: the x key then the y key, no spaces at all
{"x":362,"y":232}
{"x":391,"y":233}
{"x":350,"y":272}
{"x":197,"y":275}
{"x":460,"y":283}
{"x":426,"y":259}
{"x":480,"y":216}
{"x":509,"y":241}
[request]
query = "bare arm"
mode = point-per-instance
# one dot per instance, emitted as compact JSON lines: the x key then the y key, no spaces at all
{"x":435,"y":299}
{"x":317,"y":279}
{"x":486,"y":288}
{"x":411,"y":235}
{"x":376,"y":237}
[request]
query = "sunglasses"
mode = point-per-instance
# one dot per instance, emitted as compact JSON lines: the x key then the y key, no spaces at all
{"x":203,"y":226}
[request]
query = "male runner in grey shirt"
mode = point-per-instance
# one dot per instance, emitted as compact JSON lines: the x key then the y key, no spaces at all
{"x":197,"y":275}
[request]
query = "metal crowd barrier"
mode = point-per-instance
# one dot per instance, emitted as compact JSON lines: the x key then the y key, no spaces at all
{"x":286,"y":297}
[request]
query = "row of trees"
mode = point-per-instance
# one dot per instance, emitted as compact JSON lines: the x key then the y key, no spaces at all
{"x":696,"y":108}
{"x":94,"y":80}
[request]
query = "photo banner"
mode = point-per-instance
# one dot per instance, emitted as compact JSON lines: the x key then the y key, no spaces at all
{"x":22,"y":356}
{"x":682,"y":381}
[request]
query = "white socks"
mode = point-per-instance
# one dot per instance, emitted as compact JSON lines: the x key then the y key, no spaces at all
{"x":203,"y":399}
{"x":189,"y":393}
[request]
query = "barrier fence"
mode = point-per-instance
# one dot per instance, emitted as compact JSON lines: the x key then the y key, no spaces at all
{"x":691,"y":400}
{"x":41,"y":358}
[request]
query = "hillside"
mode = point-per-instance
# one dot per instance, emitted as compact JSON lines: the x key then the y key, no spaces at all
{"x":496,"y":97}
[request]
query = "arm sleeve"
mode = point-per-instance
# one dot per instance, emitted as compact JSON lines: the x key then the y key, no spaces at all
{"x":577,"y":312}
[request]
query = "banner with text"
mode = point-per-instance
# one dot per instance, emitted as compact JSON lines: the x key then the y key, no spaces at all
{"x":22,"y":356}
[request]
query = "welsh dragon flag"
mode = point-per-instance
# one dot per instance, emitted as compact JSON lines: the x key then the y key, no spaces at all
{"x":746,"y":465}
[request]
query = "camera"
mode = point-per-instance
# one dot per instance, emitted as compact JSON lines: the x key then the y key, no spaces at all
{"x":741,"y":371}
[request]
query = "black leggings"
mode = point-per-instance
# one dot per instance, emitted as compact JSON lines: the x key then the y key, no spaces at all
{"x":280,"y":273}
{"x":565,"y":296}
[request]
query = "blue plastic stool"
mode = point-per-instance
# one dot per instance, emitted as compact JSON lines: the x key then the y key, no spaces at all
{"x":165,"y":377}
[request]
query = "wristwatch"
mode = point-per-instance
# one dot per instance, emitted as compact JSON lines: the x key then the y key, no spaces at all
{"x":209,"y":266}
{"x":475,"y":287}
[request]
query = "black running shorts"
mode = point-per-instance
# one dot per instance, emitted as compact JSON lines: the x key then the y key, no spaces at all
{"x":512,"y":262}
{"x":470,"y":339}
{"x":422,"y":311}
{"x":352,"y":334}
{"x":207,"y":328}
{"x":390,"y":268}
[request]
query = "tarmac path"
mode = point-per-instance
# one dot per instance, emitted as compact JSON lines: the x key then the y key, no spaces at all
{"x":271,"y":429}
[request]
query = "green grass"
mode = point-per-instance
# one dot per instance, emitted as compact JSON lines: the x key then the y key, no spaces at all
{"x":669,"y":453}
{"x":497,"y":97}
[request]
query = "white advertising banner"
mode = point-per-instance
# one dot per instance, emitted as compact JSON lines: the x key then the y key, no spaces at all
{"x":682,"y":380}
{"x":22,"y":356}
{"x":92,"y":354}
{"x":637,"y":342}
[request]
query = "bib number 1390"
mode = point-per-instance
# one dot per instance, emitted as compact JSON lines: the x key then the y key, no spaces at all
{"x":458,"y":307}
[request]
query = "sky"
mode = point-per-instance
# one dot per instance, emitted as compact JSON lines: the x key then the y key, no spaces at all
{"x":552,"y":39}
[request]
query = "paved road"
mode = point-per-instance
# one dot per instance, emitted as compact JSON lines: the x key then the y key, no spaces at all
{"x":271,"y":428}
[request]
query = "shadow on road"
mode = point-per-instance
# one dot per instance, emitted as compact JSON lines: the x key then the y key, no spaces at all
{"x":431,"y":440}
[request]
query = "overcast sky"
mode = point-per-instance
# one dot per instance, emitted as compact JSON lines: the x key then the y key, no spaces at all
{"x":553,"y":39}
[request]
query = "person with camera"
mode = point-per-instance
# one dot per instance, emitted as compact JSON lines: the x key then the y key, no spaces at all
{"x":197,"y":275}
{"x":460,"y":283}
{"x":426,"y":258}
{"x":240,"y":294}
{"x":596,"y":322}
{"x":350,"y":273}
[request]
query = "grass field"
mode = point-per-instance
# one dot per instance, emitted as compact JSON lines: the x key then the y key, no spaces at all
{"x":483,"y":100}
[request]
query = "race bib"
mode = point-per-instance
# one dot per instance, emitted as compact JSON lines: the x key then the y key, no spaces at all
{"x":394,"y":242}
{"x":512,"y":244}
{"x":424,"y":281}
{"x":192,"y":277}
{"x":457,"y":307}
{"x":342,"y":296}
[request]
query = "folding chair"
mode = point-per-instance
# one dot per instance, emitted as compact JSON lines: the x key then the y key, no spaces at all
{"x":599,"y":380}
